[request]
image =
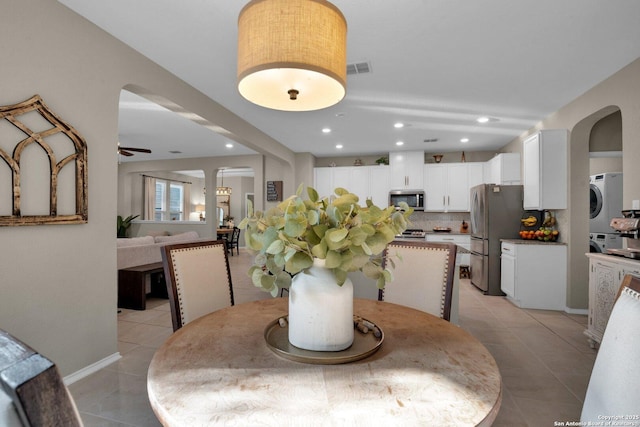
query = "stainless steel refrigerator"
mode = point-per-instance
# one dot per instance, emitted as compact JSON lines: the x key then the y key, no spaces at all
{"x":496,"y":211}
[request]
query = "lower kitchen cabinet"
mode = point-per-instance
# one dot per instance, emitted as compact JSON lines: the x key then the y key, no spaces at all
{"x":534,"y":275}
{"x":605,"y":276}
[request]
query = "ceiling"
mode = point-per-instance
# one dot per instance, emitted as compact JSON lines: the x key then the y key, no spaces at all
{"x":436,"y":66}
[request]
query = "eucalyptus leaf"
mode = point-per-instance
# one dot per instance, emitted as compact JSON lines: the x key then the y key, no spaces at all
{"x":349,"y":237}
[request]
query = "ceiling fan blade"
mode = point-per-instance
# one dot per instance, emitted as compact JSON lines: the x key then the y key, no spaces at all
{"x":140,"y":150}
{"x":124,"y":153}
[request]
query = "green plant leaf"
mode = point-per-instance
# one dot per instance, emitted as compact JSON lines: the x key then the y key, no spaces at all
{"x":275,"y":247}
{"x":313,"y":194}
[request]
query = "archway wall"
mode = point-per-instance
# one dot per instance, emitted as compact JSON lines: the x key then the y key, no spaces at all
{"x":619,"y":91}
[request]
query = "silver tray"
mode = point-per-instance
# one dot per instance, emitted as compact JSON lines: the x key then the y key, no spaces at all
{"x":364,"y":345}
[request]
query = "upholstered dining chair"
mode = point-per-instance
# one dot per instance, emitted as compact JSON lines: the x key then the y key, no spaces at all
{"x":35,"y":386}
{"x":423,"y":276}
{"x":198,"y":279}
{"x":614,"y":386}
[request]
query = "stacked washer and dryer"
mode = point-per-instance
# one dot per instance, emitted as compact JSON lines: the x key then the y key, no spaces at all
{"x":605,"y":195}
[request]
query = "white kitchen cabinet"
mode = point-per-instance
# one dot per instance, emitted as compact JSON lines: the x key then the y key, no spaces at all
{"x":545,"y":168}
{"x":475,"y":174}
{"x":406,"y":170}
{"x":534,"y":275}
{"x":605,"y":277}
{"x":327,"y":179}
{"x":447,"y":185}
{"x":367,"y":182}
{"x":503,"y":169}
{"x":370,"y":182}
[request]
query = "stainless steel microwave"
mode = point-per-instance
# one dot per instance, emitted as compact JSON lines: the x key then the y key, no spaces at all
{"x":413,"y":198}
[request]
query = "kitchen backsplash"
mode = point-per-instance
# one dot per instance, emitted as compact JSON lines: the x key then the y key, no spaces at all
{"x":428,"y":220}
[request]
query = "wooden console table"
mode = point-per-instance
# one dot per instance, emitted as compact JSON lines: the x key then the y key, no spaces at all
{"x":132,"y":291}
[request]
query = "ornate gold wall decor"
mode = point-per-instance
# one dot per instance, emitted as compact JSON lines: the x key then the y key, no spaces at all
{"x":59,"y":135}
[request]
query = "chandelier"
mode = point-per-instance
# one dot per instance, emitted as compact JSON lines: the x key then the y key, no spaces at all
{"x":222,"y":190}
{"x":292,"y":54}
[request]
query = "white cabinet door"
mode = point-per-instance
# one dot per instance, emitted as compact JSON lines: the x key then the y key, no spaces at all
{"x":341,"y":178}
{"x":446,"y":187}
{"x":540,"y":275}
{"x":406,"y":170}
{"x":503,"y":169}
{"x":458,"y":187}
{"x":545,"y":170}
{"x":367,"y":182}
{"x":359,"y":183}
{"x":435,"y":192}
{"x":379,"y":185}
{"x":323,"y":181}
{"x":508,"y":270}
{"x":476,"y":174}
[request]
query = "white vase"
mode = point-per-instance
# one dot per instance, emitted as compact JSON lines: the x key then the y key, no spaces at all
{"x":320,"y":311}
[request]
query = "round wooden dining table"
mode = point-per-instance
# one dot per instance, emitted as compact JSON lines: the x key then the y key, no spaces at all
{"x":219,"y":370}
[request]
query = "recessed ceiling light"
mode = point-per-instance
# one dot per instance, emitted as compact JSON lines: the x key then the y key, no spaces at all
{"x":485,"y":119}
{"x":339,"y":146}
{"x":464,"y":140}
{"x":229,"y":145}
{"x":400,"y":143}
{"x":398,"y":125}
{"x":326,"y":130}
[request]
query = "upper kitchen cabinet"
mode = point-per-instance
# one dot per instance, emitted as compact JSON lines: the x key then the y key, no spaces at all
{"x":367,"y":182}
{"x":446,"y":187}
{"x":503,"y":169}
{"x":370,"y":182}
{"x":545,"y":170}
{"x":406,"y":170}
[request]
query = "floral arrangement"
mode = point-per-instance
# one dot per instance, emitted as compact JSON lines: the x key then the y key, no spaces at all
{"x":349,"y":237}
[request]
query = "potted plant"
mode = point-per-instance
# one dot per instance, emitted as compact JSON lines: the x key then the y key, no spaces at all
{"x":123,"y":224}
{"x":384,"y":160}
{"x":337,"y":236}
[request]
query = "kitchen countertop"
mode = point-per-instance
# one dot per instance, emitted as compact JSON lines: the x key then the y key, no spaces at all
{"x":531,"y":242}
{"x":448,"y":233}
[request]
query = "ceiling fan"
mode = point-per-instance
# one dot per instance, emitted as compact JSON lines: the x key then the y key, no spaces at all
{"x":126,"y":151}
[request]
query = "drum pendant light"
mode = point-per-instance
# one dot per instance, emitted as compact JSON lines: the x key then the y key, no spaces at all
{"x":292,"y":54}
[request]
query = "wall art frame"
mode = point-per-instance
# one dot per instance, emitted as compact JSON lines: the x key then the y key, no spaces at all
{"x":77,"y":159}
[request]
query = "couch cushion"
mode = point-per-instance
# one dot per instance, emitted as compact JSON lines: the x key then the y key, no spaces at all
{"x":177,"y":238}
{"x":135,"y":241}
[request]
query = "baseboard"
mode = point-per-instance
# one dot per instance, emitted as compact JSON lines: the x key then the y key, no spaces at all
{"x":583,"y":311}
{"x":93,"y":368}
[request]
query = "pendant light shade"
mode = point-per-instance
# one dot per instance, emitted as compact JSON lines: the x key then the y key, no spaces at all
{"x":292,"y":54}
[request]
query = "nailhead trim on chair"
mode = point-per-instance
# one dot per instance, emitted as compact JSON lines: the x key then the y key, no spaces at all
{"x":443,"y":295}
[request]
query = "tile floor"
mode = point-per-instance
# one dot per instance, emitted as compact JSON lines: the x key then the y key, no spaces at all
{"x":543,"y":356}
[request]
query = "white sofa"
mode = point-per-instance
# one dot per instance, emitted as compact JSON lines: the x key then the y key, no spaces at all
{"x":136,"y":251}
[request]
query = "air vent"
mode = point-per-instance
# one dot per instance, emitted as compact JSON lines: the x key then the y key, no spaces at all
{"x":175,"y":152}
{"x":431,"y":140}
{"x":358,"y":68}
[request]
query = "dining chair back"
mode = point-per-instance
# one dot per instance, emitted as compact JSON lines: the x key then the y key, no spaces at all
{"x":35,"y":386}
{"x":233,"y":242}
{"x":423,"y":276}
{"x":198,"y":279}
{"x":613,"y":387}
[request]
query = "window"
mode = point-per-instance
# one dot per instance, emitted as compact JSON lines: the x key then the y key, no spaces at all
{"x":169,"y":204}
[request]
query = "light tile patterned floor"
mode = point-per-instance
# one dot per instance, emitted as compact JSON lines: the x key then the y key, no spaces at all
{"x":544,"y":358}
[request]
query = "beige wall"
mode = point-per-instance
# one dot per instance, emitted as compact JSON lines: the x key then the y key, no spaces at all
{"x":58,"y":282}
{"x":621,"y":92}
